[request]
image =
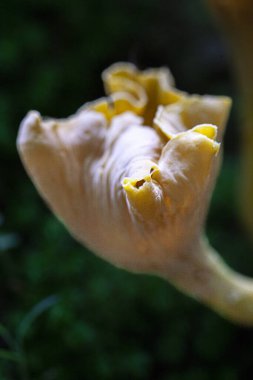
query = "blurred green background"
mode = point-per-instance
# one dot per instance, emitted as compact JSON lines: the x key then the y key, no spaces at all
{"x":65,"y":314}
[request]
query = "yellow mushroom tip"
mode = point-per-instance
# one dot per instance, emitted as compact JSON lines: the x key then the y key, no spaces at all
{"x":134,"y":184}
{"x":208,"y":130}
{"x":128,"y":184}
{"x":138,"y":184}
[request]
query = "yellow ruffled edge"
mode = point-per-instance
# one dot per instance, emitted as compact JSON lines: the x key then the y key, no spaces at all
{"x":129,"y":89}
{"x":144,"y":191}
{"x":151,"y":94}
{"x":190,"y":111}
{"x":131,"y":184}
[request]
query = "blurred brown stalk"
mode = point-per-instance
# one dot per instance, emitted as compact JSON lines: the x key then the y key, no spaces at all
{"x":235,"y":18}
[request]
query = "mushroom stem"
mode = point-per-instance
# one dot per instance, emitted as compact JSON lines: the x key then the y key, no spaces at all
{"x":236,"y":19}
{"x":207,"y":278}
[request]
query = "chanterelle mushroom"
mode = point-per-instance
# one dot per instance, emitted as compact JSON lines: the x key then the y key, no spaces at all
{"x":131,"y":177}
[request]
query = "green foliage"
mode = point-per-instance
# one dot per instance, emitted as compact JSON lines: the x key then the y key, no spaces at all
{"x":101,"y":322}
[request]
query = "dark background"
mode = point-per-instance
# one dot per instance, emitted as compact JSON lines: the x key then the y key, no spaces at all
{"x":65,"y":314}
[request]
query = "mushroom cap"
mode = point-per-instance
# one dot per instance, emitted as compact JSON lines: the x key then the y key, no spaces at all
{"x":130,"y":175}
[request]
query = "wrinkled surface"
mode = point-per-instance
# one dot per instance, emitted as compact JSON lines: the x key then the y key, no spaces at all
{"x":130,"y":175}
